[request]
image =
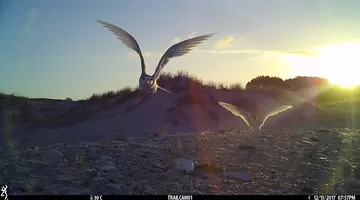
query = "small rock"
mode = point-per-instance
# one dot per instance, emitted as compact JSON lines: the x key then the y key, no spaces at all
{"x":246,"y":147}
{"x":314,"y":138}
{"x":357,"y":173}
{"x":32,"y":189}
{"x":109,"y":168}
{"x":115,"y":186}
{"x":347,"y":167}
{"x":209,"y":168}
{"x":55,"y":155}
{"x":108,"y":189}
{"x":90,"y":172}
{"x":73,"y":193}
{"x":238,"y":175}
{"x":121,"y":138}
{"x":184,"y":165}
{"x":115,"y":177}
{"x":110,"y":163}
{"x":307,"y":190}
{"x":143,"y":156}
{"x":322,"y":130}
{"x":327,"y":138}
{"x":79,"y":158}
{"x":223,"y":149}
{"x":18,"y":193}
{"x":63,"y":179}
{"x":157,"y":167}
{"x":307,"y":142}
{"x":99,"y":180}
{"x":322,"y":175}
{"x":2,"y":165}
{"x":87,"y":144}
{"x":287,"y":187}
{"x":84,"y":191}
{"x":66,"y":190}
{"x":91,"y":155}
{"x":106,"y":158}
{"x":197,"y":172}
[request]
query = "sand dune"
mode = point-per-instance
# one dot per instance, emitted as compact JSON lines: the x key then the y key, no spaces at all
{"x":91,"y":147}
{"x":192,"y":109}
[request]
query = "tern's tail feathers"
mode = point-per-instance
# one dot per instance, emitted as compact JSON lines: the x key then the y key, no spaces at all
{"x":237,"y":112}
{"x":163,"y":89}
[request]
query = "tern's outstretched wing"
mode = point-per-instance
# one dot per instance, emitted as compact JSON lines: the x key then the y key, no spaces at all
{"x":126,"y":39}
{"x":179,"y":49}
{"x":273,"y":113}
{"x":236,"y":111}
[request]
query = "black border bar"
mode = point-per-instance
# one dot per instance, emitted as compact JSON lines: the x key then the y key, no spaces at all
{"x":181,"y":197}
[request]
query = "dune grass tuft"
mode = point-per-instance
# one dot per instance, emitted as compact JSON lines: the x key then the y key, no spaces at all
{"x":125,"y":93}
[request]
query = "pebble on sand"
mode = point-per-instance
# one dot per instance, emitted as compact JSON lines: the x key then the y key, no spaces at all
{"x":55,"y":155}
{"x":109,"y":168}
{"x":184,"y":164}
{"x":238,"y":175}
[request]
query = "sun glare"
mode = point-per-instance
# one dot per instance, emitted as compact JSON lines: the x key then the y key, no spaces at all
{"x":338,"y":63}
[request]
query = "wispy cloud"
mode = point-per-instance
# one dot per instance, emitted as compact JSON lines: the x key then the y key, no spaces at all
{"x":175,"y":40}
{"x":303,"y":53}
{"x":148,"y":54}
{"x":232,"y":51}
{"x":192,"y":34}
{"x":32,"y":16}
{"x":179,"y":39}
{"x":259,"y":51}
{"x":224,"y":42}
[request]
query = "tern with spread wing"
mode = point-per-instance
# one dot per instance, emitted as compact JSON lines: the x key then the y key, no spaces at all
{"x":148,"y":83}
{"x":249,"y":118}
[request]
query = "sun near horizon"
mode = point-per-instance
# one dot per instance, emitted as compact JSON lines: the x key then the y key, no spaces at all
{"x":338,"y":63}
{"x":58,"y":50}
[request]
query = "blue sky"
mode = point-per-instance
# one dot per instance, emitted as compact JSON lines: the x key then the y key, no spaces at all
{"x":56,"y":49}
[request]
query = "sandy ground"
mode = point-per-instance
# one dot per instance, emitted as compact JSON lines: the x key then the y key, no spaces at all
{"x":286,"y":161}
{"x":95,"y":148}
